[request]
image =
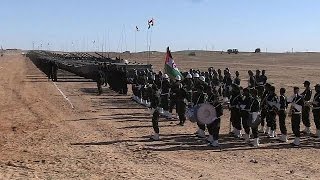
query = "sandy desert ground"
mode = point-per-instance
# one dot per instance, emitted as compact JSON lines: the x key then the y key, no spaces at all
{"x":106,"y":137}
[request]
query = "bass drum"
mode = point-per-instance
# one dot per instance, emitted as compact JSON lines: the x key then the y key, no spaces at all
{"x":206,"y":114}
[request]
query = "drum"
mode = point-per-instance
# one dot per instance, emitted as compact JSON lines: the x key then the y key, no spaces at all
{"x":202,"y":113}
{"x":254,"y":119}
{"x":206,"y":114}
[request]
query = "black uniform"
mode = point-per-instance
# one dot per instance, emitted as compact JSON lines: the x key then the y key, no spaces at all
{"x":165,"y":93}
{"x":188,"y":85}
{"x":173,"y":95}
{"x":199,"y":97}
{"x":245,"y":104}
{"x":316,"y":110}
{"x":214,"y":128}
{"x":100,"y":80}
{"x":181,"y":96}
{"x":260,"y":85}
{"x":307,"y":93}
{"x":227,"y":81}
{"x":282,"y":113}
{"x":236,"y":81}
{"x":235,"y":110}
{"x":155,"y":102}
{"x":54,"y":75}
{"x":255,"y":107}
{"x":264,"y":111}
{"x":252,"y":83}
{"x":271,"y":110}
{"x":296,"y":115}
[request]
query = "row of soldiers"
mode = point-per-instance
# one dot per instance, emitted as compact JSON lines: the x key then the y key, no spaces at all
{"x":112,"y":75}
{"x":157,"y":90}
{"x":50,"y":68}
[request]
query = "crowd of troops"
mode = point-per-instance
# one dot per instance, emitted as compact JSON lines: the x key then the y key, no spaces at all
{"x":253,"y":109}
{"x":114,"y":76}
{"x":50,"y":68}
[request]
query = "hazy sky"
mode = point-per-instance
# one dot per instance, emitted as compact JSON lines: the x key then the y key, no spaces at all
{"x":278,"y":25}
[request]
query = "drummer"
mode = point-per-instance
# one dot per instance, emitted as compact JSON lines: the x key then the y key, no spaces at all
{"x":214,"y":127}
{"x":199,"y":97}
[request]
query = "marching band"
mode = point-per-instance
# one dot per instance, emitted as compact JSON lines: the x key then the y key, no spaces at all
{"x":202,"y":96}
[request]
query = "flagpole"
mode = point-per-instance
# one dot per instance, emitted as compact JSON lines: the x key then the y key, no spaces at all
{"x":135,"y":41}
{"x":148,"y":45}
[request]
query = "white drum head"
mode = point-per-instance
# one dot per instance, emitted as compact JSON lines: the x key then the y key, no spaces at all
{"x":206,"y":114}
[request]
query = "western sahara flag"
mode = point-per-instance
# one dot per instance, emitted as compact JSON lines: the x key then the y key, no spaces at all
{"x":170,"y":67}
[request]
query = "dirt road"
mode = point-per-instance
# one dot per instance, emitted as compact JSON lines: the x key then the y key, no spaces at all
{"x":106,"y":137}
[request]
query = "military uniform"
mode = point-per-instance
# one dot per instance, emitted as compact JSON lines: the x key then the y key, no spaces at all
{"x":316,"y":109}
{"x":271,"y":110}
{"x":245,"y":104}
{"x":296,"y":114}
{"x":235,"y":112}
{"x":155,"y":102}
{"x":282,"y":113}
{"x":165,"y":94}
{"x":214,"y":127}
{"x":307,"y":94}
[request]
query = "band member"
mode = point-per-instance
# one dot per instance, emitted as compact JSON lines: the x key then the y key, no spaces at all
{"x":188,"y":85}
{"x":196,"y":81}
{"x":237,"y":80}
{"x":263,"y":77}
{"x":227,"y":81}
{"x":259,"y":83}
{"x":272,"y":108}
{"x":264,"y":111}
{"x":175,"y":86}
{"x":255,"y":108}
{"x":199,"y":97}
{"x":165,"y":93}
{"x":220,"y":78}
{"x":245,"y":104}
{"x":235,"y":111}
{"x":307,"y":94}
{"x":282,"y":113}
{"x":214,"y":127}
{"x":316,"y":109}
{"x":296,"y":109}
{"x":252,"y":81}
{"x":155,"y":102}
{"x":180,"y":100}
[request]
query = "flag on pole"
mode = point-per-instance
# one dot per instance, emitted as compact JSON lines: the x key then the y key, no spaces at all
{"x":137,"y":29}
{"x":150,"y":23}
{"x":170,"y":66}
